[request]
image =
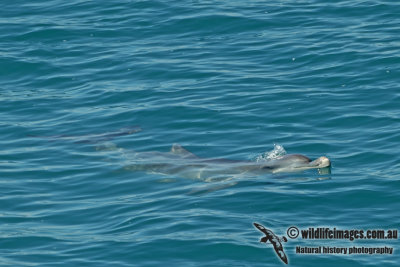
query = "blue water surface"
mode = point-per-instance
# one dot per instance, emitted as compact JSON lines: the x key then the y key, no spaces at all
{"x":225,"y":79}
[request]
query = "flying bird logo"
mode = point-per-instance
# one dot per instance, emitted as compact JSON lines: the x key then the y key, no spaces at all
{"x":274,"y":240}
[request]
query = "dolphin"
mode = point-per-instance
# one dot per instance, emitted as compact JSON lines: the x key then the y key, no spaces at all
{"x":179,"y":161}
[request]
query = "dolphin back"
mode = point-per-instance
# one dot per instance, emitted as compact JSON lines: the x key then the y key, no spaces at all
{"x":286,"y":161}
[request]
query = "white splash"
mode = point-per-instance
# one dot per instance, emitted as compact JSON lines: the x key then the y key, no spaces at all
{"x":278,"y":152}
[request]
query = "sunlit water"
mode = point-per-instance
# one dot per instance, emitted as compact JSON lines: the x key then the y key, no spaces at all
{"x":224,"y":80}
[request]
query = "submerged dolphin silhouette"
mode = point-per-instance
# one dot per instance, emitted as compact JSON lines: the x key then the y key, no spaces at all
{"x":91,"y":138}
{"x":182,"y":162}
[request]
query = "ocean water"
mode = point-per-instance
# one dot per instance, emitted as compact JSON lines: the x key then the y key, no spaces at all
{"x":225,"y":79}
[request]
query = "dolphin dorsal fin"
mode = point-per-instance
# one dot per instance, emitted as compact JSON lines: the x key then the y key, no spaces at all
{"x":179,"y":150}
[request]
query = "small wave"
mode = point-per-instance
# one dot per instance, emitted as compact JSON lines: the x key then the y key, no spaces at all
{"x":276,"y":153}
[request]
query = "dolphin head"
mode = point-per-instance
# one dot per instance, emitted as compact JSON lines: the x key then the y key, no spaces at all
{"x":321,"y":162}
{"x":296,"y":162}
